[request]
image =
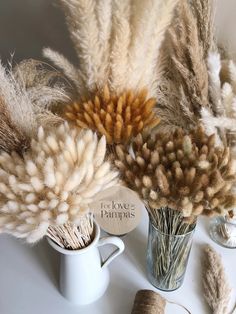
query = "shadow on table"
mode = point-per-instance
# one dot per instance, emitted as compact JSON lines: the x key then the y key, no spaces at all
{"x":136,"y":247}
{"x":48,"y":260}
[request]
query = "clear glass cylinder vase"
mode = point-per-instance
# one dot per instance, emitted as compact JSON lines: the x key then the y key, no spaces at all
{"x":167,"y":257}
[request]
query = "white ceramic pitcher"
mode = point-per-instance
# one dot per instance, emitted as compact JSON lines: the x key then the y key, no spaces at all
{"x":84,"y":277}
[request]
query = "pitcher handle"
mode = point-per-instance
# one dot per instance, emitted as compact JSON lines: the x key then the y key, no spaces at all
{"x":115,"y":241}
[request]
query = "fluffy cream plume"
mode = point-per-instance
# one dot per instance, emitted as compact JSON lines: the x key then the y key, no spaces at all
{"x":70,"y":71}
{"x":120,"y":42}
{"x":161,"y":23}
{"x":44,"y":85}
{"x":221,"y":118}
{"x":184,"y":64}
{"x":191,"y":71}
{"x":83,"y":27}
{"x":11,"y":136}
{"x":104,"y":18}
{"x":204,"y":11}
{"x":215,"y":283}
{"x":184,"y":171}
{"x":16,"y":101}
{"x":22,"y":107}
{"x":117,"y":42}
{"x":54,"y":183}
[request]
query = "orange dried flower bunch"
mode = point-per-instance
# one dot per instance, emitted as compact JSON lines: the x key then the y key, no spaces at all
{"x":180,"y":170}
{"x":118,"y":117}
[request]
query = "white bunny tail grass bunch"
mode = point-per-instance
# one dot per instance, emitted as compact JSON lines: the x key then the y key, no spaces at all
{"x":20,"y":111}
{"x":54,"y":183}
{"x":215,"y":283}
{"x":71,"y":236}
{"x":117,"y":43}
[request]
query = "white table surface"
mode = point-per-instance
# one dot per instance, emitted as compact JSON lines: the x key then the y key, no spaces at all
{"x":29,"y":277}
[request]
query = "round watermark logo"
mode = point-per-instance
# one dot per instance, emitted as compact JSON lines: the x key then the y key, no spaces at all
{"x":117,"y":210}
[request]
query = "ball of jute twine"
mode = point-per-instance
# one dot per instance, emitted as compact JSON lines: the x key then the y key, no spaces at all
{"x":150,"y":302}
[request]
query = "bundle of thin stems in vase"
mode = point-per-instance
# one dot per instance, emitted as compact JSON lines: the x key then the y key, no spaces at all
{"x":169,"y":246}
{"x":179,"y":176}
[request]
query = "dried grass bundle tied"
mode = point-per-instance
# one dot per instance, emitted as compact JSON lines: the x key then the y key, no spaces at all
{"x":117,"y":44}
{"x":184,"y":171}
{"x":217,"y":291}
{"x":119,"y":118}
{"x":54,"y":183}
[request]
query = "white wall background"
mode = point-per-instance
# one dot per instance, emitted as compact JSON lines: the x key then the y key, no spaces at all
{"x":26,"y":26}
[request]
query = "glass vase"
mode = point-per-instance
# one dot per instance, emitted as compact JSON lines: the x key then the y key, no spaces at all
{"x":168,"y":253}
{"x":223,"y":231}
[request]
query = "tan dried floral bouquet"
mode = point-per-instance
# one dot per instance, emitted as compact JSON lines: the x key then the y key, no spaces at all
{"x":48,"y":174}
{"x":182,"y":170}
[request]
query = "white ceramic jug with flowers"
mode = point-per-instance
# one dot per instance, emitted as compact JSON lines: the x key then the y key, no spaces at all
{"x":84,"y":276}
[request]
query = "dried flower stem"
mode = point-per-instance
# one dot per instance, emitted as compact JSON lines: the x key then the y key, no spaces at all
{"x":71,"y":236}
{"x":215,"y":283}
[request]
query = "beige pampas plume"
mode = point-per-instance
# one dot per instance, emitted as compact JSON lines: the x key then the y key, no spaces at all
{"x":222,"y":117}
{"x":83,"y":27}
{"x":181,"y":170}
{"x":11,"y":137}
{"x":118,"y":49}
{"x":22,"y":107}
{"x":161,"y":23}
{"x":188,"y":58}
{"x":204,"y":11}
{"x":184,"y":64}
{"x":44,"y":85}
{"x":117,"y":44}
{"x":54,"y":183}
{"x":120,"y":41}
{"x":104,"y":17}
{"x":215,"y":283}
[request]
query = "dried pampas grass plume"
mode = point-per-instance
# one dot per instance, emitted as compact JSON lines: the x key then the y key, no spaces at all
{"x":21,"y":109}
{"x":183,"y":83}
{"x":54,"y":183}
{"x":11,"y":136}
{"x":117,"y":44}
{"x":184,"y":171}
{"x":215,"y":283}
{"x":119,"y":118}
{"x":221,"y":120}
{"x":204,"y":12}
{"x":45,"y":86}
